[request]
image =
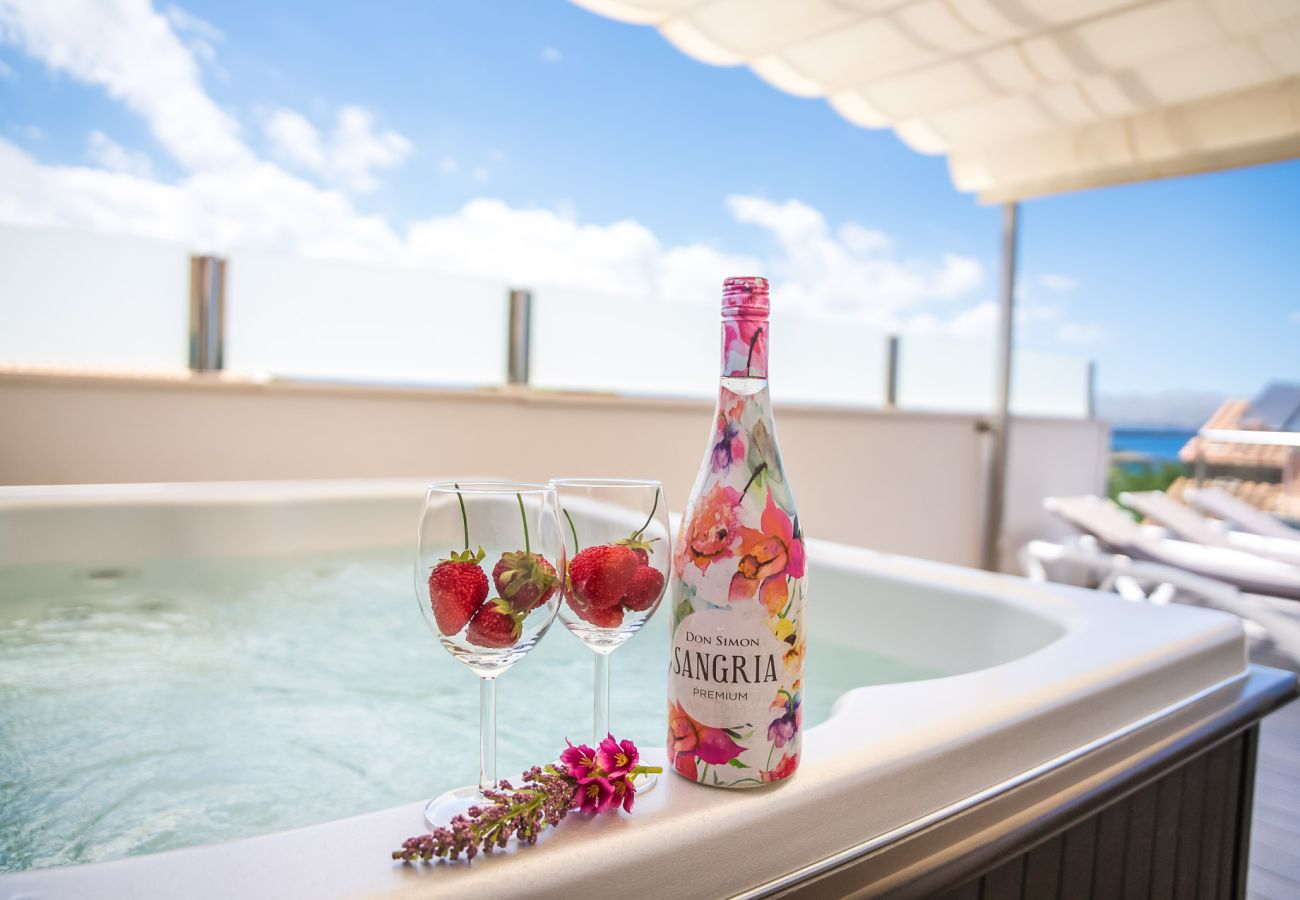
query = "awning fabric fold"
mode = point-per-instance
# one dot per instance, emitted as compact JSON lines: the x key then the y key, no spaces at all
{"x":1025,"y":97}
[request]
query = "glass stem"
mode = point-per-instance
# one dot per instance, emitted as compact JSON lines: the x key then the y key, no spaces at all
{"x":600,"y":706}
{"x":487,"y":733}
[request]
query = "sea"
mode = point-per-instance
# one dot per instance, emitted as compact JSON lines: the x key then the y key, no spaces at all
{"x":1159,"y":445}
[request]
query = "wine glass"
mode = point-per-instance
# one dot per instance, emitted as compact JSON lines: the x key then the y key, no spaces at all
{"x":616,"y":553}
{"x":487,"y":585}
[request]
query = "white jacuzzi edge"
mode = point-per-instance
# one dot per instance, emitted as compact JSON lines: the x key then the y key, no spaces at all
{"x":889,"y":755}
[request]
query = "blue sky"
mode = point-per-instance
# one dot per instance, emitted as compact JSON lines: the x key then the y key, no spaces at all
{"x":545,"y":108}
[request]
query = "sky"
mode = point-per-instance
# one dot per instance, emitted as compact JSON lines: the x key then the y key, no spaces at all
{"x":538,"y":142}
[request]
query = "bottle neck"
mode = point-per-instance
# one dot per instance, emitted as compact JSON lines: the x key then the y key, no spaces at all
{"x":744,"y":347}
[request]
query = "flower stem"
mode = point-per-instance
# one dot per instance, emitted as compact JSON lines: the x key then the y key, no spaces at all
{"x":649,"y":518}
{"x":576,"y":546}
{"x":464,"y":519}
{"x":523,"y":515}
{"x":752,"y":478}
{"x":758,"y":332}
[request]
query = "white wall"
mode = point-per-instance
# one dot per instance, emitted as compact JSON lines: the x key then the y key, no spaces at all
{"x":894,"y":481}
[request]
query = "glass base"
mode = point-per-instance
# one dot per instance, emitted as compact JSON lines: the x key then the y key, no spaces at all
{"x":441,"y":809}
{"x":645,"y":782}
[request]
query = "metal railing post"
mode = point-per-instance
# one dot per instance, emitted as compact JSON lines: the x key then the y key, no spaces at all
{"x":207,"y":313}
{"x":995,"y":476}
{"x":518,"y":336}
{"x":891,"y":373}
{"x":1092,"y":389}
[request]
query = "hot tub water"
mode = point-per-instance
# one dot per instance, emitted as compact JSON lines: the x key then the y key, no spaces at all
{"x":149,"y":707}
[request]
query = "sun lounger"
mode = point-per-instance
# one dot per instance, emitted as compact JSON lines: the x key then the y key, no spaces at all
{"x":1266,"y":619}
{"x":1186,"y":523}
{"x":1114,"y":529}
{"x":1221,"y":504}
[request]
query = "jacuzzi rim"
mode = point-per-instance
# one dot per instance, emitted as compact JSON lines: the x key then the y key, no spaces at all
{"x":870,"y":845}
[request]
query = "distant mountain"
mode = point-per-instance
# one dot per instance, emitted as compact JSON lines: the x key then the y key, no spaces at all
{"x":1183,"y":410}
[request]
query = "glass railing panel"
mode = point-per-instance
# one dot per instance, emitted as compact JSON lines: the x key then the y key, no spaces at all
{"x":1049,"y":384}
{"x":95,"y":301}
{"x":828,"y":361}
{"x":595,"y":342}
{"x":312,"y":318}
{"x":945,"y":374}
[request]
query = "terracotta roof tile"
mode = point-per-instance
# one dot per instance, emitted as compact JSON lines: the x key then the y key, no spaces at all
{"x":1228,"y":416}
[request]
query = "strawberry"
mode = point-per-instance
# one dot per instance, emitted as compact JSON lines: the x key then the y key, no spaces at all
{"x":638,"y":545}
{"x":608,"y":617}
{"x":457,"y":588}
{"x":527,"y":580}
{"x":647,"y":585}
{"x":496,"y":625}
{"x":600,"y":575}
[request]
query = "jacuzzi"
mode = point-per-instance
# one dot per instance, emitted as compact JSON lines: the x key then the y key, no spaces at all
{"x":1039,"y":711}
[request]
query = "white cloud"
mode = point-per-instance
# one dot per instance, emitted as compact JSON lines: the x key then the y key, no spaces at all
{"x":1056,"y":282}
{"x":228,"y":197}
{"x":133,"y":53}
{"x":550,"y":55}
{"x":188,"y":22}
{"x":6,"y":71}
{"x":980,"y":321}
{"x":109,"y":154}
{"x":347,"y":157}
{"x":28,"y":131}
{"x":1079,"y":333}
{"x":848,"y":273}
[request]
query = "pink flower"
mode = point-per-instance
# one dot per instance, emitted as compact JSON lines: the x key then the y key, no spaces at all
{"x":745,"y":346}
{"x":624,"y":792}
{"x":785,"y":726}
{"x":713,"y":529}
{"x":728,"y":447}
{"x":616,"y":759}
{"x":688,"y":740}
{"x":580,"y":761}
{"x":594,"y":795}
{"x":768,"y":556}
{"x":784,"y":769}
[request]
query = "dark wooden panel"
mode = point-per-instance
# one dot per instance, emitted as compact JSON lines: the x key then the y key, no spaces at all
{"x":1164,"y":853}
{"x":1141,"y":841}
{"x":1080,"y":847}
{"x":1004,"y":882}
{"x":1189,"y":827}
{"x":1228,"y":813}
{"x":1178,"y":837}
{"x":1212,"y":827}
{"x":1108,"y":866}
{"x":968,"y":891}
{"x":1043,"y":869}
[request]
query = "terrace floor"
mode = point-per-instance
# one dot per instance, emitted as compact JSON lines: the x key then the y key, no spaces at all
{"x":1275,"y":827}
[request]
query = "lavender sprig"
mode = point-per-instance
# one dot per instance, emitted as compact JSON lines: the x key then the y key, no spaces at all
{"x":592,"y":780}
{"x":522,"y":813}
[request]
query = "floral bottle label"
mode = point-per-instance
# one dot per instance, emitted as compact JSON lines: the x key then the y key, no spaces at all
{"x":738,"y":585}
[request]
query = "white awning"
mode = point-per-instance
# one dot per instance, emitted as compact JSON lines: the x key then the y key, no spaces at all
{"x":1026,"y":97}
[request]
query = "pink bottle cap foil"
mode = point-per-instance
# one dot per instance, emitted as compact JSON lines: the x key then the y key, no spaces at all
{"x":744,"y":298}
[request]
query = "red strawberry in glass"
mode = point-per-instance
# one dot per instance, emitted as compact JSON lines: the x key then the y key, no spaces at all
{"x":525,"y":579}
{"x":495,"y":625}
{"x":600,"y":576}
{"x":615,"y":572}
{"x":457,"y":588}
{"x":488,"y":633}
{"x":646,"y":587}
